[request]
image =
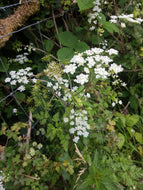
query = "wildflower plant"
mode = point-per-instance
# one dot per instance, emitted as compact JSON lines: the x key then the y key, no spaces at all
{"x":71,"y":84}
{"x":84,"y":99}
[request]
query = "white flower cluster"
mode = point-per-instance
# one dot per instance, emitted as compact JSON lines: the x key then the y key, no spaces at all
{"x":78,"y":120}
{"x":129,"y":18}
{"x":20,"y":77}
{"x":22,"y":58}
{"x":95,"y":62}
{"x":95,"y":11}
{"x":117,"y":102}
{"x":93,"y":58}
{"x":30,"y":48}
{"x":1,"y":182}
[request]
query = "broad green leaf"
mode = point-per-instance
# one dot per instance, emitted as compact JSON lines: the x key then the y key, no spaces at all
{"x":56,"y":117}
{"x":81,"y":46}
{"x":121,"y":140}
{"x":139,"y":137}
{"x":134,"y":103}
{"x":110,"y":27}
{"x":122,"y":118}
{"x":68,"y":39}
{"x":48,"y":45}
{"x":131,"y":131}
{"x":131,"y":120}
{"x":101,"y":18}
{"x":85,"y":4}
{"x":65,"y":53}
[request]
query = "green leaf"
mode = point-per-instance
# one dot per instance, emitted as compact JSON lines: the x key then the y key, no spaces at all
{"x":110,"y":27}
{"x":81,"y":46}
{"x":131,"y":120}
{"x":48,"y":45}
{"x":138,"y":137}
{"x":101,"y":18}
{"x":134,"y":103}
{"x":65,"y":54}
{"x":85,"y":4}
{"x":20,"y":95}
{"x":121,"y":140}
{"x":68,"y":39}
{"x":56,"y":117}
{"x":122,"y":118}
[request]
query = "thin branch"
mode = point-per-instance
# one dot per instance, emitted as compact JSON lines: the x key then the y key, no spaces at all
{"x":56,"y":28}
{"x":28,"y":133}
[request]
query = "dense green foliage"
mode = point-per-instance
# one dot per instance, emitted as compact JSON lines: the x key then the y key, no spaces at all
{"x":67,"y":84}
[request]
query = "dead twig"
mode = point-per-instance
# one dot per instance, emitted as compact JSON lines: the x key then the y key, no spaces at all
{"x":28,"y":133}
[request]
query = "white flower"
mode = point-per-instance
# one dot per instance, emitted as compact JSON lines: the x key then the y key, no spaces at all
{"x":34,"y":80}
{"x":123,"y":84}
{"x":28,"y":68}
{"x":101,"y":73}
{"x":113,"y":104}
{"x":123,"y":25}
{"x":49,"y":84}
{"x":88,"y":95}
{"x":55,"y":87}
{"x":79,"y":133}
{"x":91,"y":62}
{"x":72,"y":130}
{"x":112,"y":51}
{"x":78,"y":59}
{"x":14,"y":110}
{"x":70,"y":68}
{"x":32,"y":151}
{"x":72,"y":111}
{"x":8,"y":79}
{"x":30,"y":74}
{"x":12,"y":72}
{"x":86,"y":70}
{"x":72,"y":123}
{"x":34,"y":143}
{"x":92,"y":28}
{"x":97,"y":50}
{"x":75,"y":139}
{"x":39,"y":146}
{"x":25,"y":80}
{"x":116,"y":68}
{"x":81,"y":79}
{"x":13,"y":82}
{"x":132,"y":130}
{"x":85,"y":134}
{"x":120,"y":102}
{"x":66,"y":119}
{"x":21,"y":88}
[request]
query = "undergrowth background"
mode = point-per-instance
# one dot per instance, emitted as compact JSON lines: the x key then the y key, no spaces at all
{"x":71,"y":98}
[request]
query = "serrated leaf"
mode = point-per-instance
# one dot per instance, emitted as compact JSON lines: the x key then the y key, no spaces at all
{"x":131,"y":120}
{"x":68,"y":39}
{"x":65,"y":54}
{"x":20,"y":96}
{"x":121,"y":140}
{"x":138,"y":137}
{"x":81,"y":46}
{"x":85,"y":4}
{"x":122,"y":118}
